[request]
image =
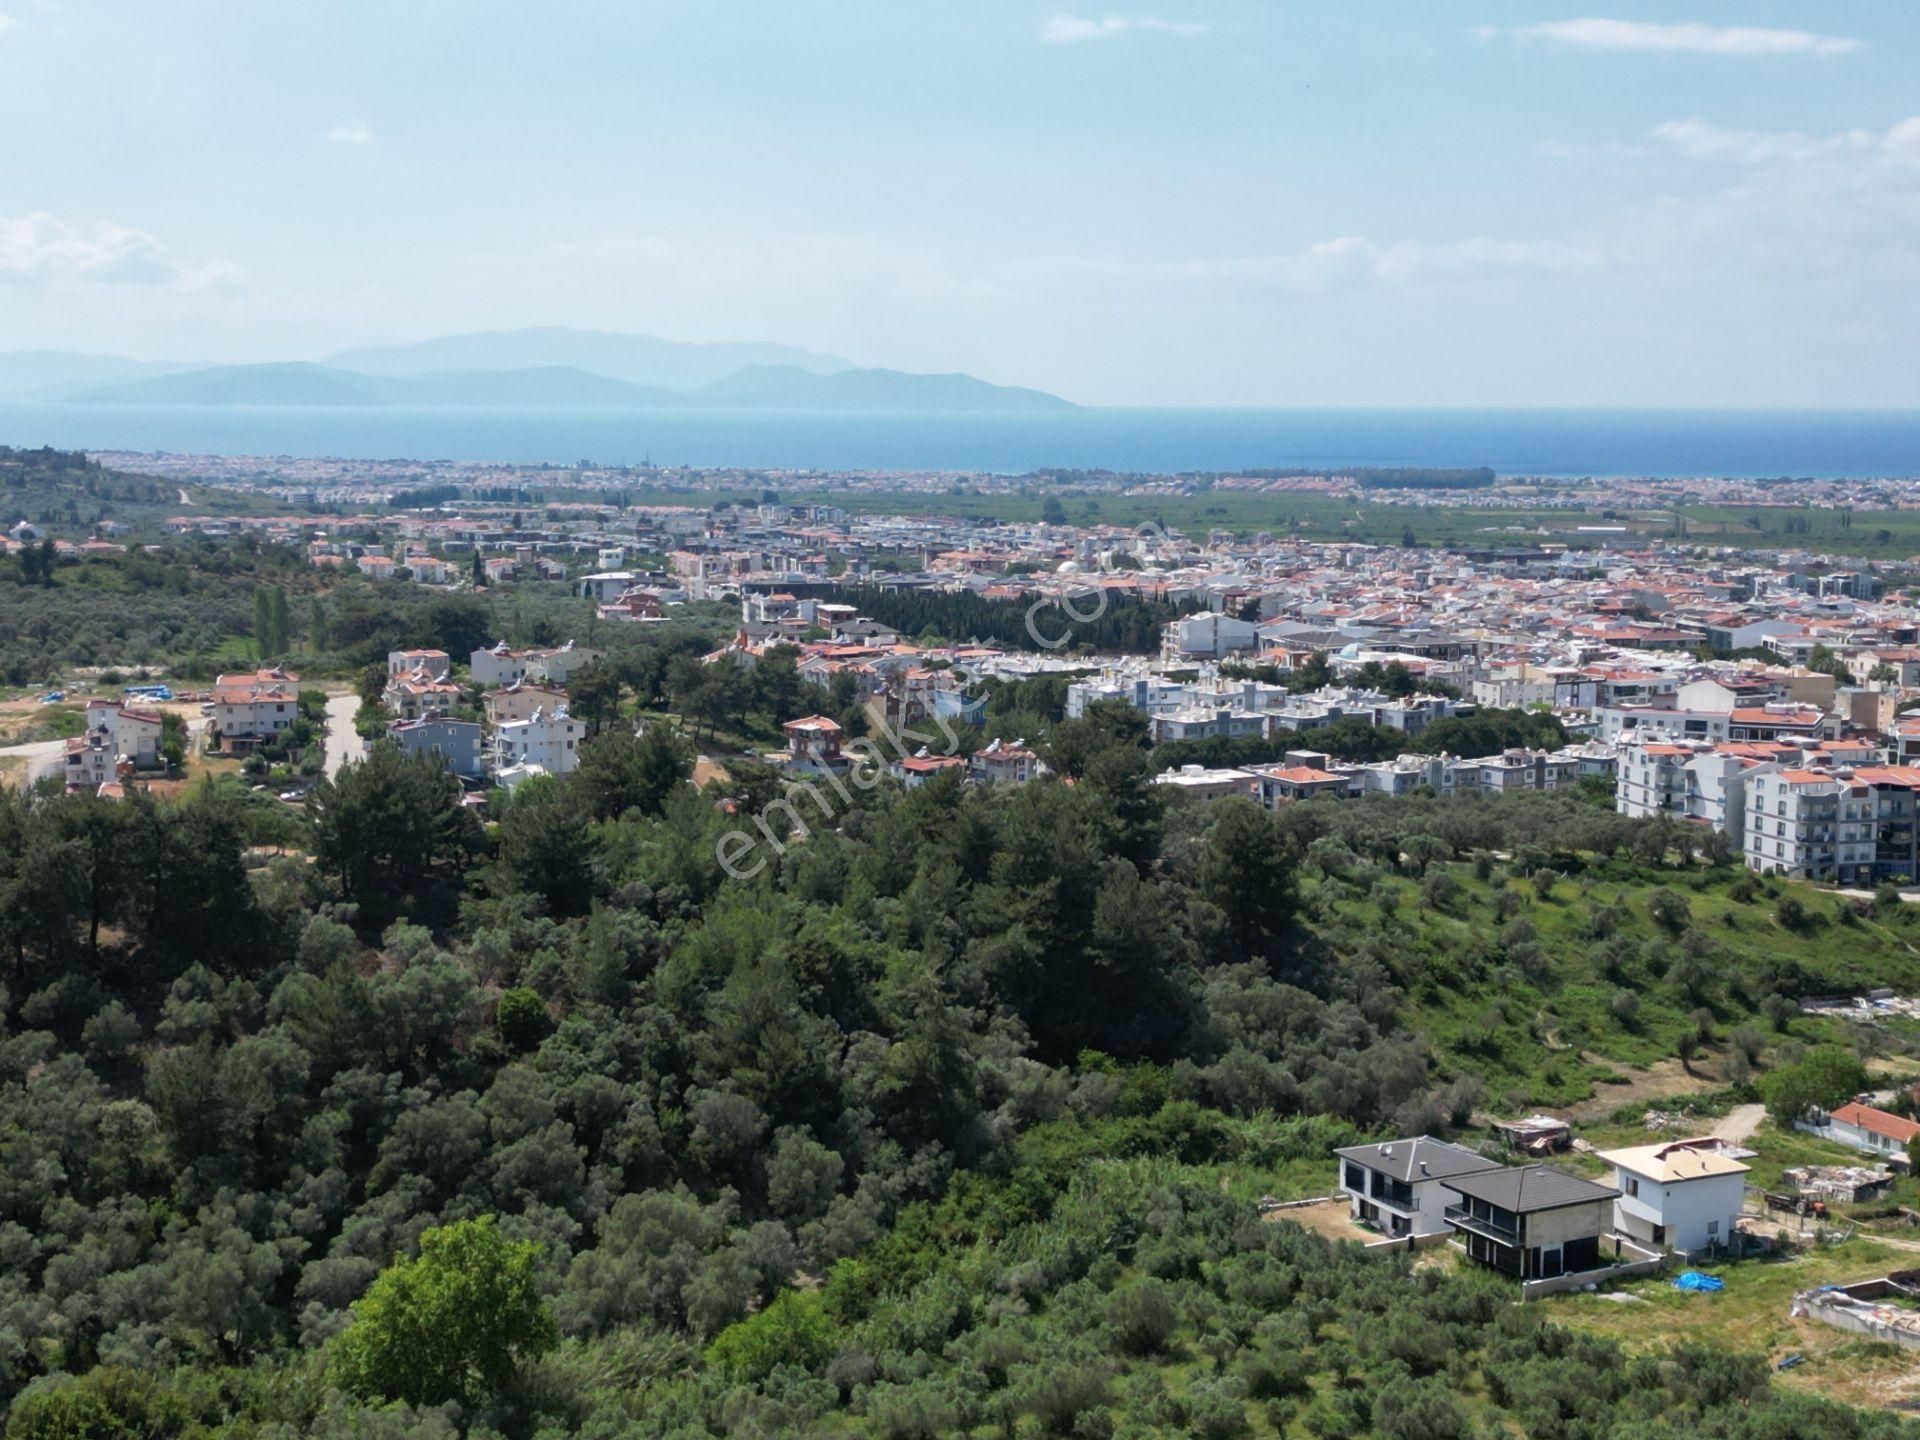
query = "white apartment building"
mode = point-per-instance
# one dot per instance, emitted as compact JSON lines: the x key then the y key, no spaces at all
{"x":1810,"y":824}
{"x":1208,"y":636}
{"x":1652,"y":779}
{"x":547,"y":738}
{"x":500,"y":666}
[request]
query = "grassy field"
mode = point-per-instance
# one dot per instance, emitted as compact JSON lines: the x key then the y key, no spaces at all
{"x":1872,"y":534}
{"x":1751,"y":1314}
{"x":24,"y":722}
{"x":1579,"y":995}
{"x":1876,"y":534}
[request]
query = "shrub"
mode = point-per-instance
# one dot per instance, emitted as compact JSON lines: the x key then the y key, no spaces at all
{"x":793,"y":1330}
{"x":1143,"y":1316}
{"x":107,"y":1403}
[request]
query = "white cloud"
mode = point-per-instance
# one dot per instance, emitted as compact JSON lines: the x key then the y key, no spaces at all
{"x":7,"y":22}
{"x":1074,"y":29}
{"x":40,"y":250}
{"x":351,"y":132}
{"x":1691,"y":38}
{"x":1803,"y":214}
{"x":1703,"y":140}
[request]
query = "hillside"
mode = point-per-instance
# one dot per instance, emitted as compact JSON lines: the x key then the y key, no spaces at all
{"x":291,"y":383}
{"x":950,"y":1122}
{"x":55,"y":374}
{"x":636,"y":359}
{"x":566,"y":388}
{"x":787,"y":388}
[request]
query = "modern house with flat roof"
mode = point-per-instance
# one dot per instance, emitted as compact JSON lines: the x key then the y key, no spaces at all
{"x":1682,"y":1195}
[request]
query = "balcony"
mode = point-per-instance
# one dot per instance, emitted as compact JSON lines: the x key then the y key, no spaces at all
{"x":1463,"y":1218}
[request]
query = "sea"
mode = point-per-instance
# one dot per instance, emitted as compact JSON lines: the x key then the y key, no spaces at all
{"x":1822,"y":444}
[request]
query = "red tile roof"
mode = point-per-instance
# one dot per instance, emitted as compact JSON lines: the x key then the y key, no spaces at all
{"x":1877,"y":1122}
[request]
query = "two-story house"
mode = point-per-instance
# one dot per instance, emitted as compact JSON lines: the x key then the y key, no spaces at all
{"x":1532,"y":1222}
{"x":1682,"y":1195}
{"x":1396,"y":1187}
{"x":813,"y":746}
{"x":999,"y":762}
{"x":517,"y":702}
{"x":437,"y":664}
{"x":248,"y":708}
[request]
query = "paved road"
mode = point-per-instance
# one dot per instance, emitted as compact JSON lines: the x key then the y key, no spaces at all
{"x":344,"y":746}
{"x":1739,"y":1123}
{"x":39,"y":753}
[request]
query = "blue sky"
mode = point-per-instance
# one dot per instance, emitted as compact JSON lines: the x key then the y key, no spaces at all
{"x":1248,"y":202}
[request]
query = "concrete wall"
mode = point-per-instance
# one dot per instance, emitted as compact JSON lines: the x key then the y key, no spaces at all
{"x":1573,"y":1222}
{"x":1560,"y":1284}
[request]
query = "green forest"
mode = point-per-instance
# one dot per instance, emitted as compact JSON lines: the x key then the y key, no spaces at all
{"x":951,"y":1121}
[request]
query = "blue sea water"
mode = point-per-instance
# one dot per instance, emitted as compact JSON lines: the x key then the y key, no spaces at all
{"x":1512,"y":442}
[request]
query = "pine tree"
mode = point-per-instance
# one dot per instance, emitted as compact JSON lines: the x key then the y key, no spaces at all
{"x":262,"y":623}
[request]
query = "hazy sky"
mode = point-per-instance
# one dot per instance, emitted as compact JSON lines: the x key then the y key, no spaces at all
{"x":1254,"y":202}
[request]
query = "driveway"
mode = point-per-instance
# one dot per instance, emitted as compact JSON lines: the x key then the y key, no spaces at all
{"x":344,"y":745}
{"x":1739,"y":1123}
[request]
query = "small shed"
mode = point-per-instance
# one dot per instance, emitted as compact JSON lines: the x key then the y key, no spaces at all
{"x":1535,"y":1134}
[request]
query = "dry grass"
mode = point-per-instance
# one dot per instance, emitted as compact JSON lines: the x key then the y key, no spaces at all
{"x":1751,"y":1315}
{"x":1662,"y":1080}
{"x":1327,"y":1217}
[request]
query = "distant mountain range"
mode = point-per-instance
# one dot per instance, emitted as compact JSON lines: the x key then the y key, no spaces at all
{"x":637,"y":359}
{"x":548,"y":369}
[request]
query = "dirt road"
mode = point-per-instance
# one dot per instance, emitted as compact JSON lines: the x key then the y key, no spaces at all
{"x":1739,"y":1123}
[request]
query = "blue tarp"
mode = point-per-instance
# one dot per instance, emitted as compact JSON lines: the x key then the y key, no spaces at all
{"x":1694,"y":1280}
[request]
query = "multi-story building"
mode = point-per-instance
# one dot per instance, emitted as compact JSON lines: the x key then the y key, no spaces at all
{"x":437,"y":664}
{"x":1810,"y":824}
{"x":1653,"y":779}
{"x":1896,"y":820}
{"x":999,"y":762}
{"x":456,"y":742}
{"x":249,"y":708}
{"x":549,"y":739}
{"x":134,"y":734}
{"x":517,"y":702}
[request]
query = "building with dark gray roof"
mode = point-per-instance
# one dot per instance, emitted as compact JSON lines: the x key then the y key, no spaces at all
{"x":1531,"y":1221}
{"x":1395,"y":1186}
